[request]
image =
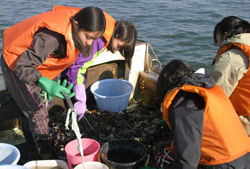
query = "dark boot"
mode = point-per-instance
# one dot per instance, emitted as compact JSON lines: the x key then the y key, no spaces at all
{"x":30,"y":149}
{"x":44,"y":144}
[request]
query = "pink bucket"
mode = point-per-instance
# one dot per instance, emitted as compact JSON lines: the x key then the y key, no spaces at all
{"x":90,"y":149}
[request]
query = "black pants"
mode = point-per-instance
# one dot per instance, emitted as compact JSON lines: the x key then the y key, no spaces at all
{"x":28,"y":99}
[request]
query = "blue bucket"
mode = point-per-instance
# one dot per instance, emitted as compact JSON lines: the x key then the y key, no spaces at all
{"x":9,"y":154}
{"x":112,"y":94}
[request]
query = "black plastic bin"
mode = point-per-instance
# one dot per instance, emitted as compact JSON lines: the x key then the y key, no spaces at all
{"x":123,"y":154}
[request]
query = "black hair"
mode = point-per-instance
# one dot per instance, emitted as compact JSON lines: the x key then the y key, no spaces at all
{"x":232,"y":25}
{"x":90,"y":19}
{"x":127,"y":32}
{"x":169,"y":78}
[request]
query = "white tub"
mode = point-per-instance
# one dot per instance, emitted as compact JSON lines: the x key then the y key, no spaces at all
{"x":46,"y":164}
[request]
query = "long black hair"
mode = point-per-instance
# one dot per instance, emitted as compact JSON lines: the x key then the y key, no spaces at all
{"x":90,"y":19}
{"x":169,"y":77}
{"x":127,"y":32}
{"x":233,"y":25}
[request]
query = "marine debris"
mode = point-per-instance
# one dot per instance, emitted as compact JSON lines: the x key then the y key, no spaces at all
{"x":137,"y":122}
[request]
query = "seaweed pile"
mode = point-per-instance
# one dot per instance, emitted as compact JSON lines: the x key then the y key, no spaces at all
{"x":137,"y":122}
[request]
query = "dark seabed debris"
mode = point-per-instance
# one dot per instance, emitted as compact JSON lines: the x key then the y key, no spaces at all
{"x":137,"y":122}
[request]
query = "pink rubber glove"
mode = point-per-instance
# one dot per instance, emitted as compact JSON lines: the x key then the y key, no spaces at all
{"x":80,"y":97}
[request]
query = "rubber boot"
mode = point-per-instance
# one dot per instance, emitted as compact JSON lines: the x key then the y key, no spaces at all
{"x":44,"y":144}
{"x":30,"y":153}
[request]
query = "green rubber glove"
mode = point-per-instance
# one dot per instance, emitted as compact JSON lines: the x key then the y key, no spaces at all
{"x":161,"y":126}
{"x":49,"y":97}
{"x":55,"y":89}
{"x":69,"y":87}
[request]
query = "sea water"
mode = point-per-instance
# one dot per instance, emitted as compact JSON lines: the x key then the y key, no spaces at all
{"x":176,"y":29}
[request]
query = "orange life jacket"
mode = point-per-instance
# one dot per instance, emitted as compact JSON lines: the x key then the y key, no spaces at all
{"x":110,"y":22}
{"x":224,"y":139}
{"x":241,"y":94}
{"x":18,"y":38}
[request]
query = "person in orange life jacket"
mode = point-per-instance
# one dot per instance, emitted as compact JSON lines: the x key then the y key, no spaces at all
{"x":193,"y":107}
{"x":123,"y":40}
{"x":230,"y":68}
{"x":38,"y":49}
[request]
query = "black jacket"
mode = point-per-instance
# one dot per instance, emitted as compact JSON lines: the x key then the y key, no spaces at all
{"x":186,"y":120}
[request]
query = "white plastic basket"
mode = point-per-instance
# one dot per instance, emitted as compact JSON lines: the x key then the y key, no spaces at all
{"x":9,"y":154}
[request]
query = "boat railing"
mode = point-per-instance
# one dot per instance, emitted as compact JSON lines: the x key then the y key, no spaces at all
{"x":150,"y":67}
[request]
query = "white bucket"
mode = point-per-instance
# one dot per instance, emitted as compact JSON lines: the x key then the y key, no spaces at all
{"x":46,"y":164}
{"x":91,"y":165}
{"x":9,"y":154}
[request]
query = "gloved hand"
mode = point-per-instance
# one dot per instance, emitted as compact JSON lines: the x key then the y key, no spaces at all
{"x":80,"y":97}
{"x":45,"y":94}
{"x":55,"y":89}
{"x":161,"y":126}
{"x":69,"y":87}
